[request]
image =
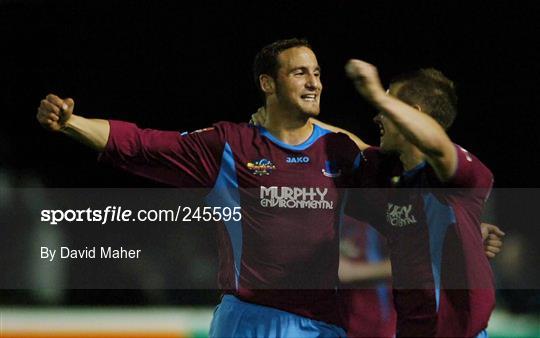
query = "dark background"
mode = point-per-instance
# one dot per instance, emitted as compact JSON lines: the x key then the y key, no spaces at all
{"x":182,"y":65}
{"x":186,"y":64}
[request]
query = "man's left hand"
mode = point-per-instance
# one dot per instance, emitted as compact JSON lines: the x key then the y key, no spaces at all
{"x":492,"y":237}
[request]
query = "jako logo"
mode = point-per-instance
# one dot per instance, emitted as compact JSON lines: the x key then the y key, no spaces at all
{"x":298,"y":159}
{"x":399,"y":216}
{"x":287,"y":197}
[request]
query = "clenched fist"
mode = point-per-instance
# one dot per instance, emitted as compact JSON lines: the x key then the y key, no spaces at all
{"x":366,"y":79}
{"x":54,"y":112}
{"x":493,"y":239}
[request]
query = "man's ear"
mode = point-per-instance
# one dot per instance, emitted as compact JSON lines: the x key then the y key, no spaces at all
{"x":417,"y":107}
{"x":267,"y":84}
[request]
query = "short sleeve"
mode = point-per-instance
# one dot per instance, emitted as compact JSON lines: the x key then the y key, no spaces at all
{"x":471,"y":173}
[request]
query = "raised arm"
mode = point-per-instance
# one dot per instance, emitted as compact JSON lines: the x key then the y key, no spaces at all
{"x":56,"y":114}
{"x":418,"y":128}
{"x":164,"y":156}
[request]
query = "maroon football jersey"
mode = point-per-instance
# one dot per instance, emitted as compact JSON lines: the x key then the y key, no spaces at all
{"x":442,"y":280}
{"x":291,"y":200}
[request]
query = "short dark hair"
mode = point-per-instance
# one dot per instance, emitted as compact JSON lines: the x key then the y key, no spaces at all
{"x":432,"y":91}
{"x":266,"y":60}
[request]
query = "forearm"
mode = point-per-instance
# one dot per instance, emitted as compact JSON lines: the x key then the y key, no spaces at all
{"x":350,"y":272}
{"x":91,"y":132}
{"x":417,"y":127}
{"x":422,"y":131}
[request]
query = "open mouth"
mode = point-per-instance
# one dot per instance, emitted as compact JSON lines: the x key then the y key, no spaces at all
{"x":309,"y":97}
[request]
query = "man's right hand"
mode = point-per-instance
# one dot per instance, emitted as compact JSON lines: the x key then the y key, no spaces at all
{"x":54,"y":112}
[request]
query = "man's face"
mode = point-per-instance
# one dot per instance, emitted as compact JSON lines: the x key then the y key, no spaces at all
{"x":298,"y":82}
{"x":391,"y":139}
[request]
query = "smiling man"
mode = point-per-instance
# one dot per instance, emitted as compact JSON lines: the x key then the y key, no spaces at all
{"x":279,"y":263}
{"x":425,"y":195}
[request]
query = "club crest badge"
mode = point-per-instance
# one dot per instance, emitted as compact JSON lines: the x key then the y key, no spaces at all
{"x":261,"y":167}
{"x":331,"y":170}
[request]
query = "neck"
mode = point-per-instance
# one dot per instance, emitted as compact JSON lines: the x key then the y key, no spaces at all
{"x":410,"y":157}
{"x":286,"y":126}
